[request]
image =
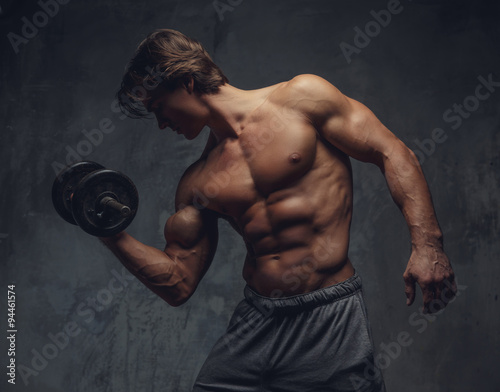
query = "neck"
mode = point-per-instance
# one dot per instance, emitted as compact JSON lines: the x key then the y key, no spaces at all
{"x":229,"y":108}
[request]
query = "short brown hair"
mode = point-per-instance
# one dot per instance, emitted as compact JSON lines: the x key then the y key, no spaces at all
{"x":166,"y":57}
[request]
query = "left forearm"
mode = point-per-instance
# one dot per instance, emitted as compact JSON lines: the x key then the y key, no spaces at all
{"x":410,"y":192}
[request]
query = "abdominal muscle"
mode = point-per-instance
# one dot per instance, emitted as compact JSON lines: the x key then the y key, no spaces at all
{"x":298,"y":238}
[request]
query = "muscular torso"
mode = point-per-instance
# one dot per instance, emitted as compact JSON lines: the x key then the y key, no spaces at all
{"x":288,"y":193}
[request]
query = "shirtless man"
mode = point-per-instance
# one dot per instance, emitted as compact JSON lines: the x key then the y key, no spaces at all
{"x":276,"y":167}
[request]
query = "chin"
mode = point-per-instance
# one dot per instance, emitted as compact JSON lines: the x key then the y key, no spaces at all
{"x":192,"y":135}
{"x":188,"y":137}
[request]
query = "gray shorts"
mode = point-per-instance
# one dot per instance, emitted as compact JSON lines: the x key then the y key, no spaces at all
{"x":314,"y":342}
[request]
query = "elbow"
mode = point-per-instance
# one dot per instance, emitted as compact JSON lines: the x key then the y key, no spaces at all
{"x":412,"y":157}
{"x":401,"y":157}
{"x":175,"y":285}
{"x":175,"y":296}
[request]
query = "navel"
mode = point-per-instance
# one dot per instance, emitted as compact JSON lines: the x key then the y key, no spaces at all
{"x":294,"y":157}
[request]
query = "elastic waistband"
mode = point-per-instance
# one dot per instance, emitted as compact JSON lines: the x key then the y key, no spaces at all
{"x":304,"y":301}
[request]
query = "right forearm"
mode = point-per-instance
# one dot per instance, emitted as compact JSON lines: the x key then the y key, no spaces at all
{"x":151,"y":266}
{"x":133,"y":254}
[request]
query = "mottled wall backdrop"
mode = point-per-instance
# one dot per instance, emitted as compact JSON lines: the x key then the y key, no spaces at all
{"x":428,"y":69}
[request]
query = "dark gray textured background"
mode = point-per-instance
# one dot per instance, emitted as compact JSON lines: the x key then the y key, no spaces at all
{"x":63,"y":80}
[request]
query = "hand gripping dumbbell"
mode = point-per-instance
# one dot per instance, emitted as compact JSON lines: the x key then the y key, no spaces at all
{"x":102,"y":202}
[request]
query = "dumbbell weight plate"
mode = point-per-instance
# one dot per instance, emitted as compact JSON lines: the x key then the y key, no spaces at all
{"x":65,"y":184}
{"x":91,"y":189}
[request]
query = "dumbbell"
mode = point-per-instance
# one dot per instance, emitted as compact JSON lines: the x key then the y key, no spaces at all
{"x":102,"y":202}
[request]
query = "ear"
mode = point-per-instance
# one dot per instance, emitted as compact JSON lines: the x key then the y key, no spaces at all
{"x":188,"y":83}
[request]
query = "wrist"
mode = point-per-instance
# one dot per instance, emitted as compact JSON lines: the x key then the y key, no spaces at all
{"x":433,"y":240}
{"x":111,"y":240}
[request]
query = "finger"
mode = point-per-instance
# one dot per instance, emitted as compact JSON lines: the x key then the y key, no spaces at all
{"x":436,"y":306}
{"x":438,"y":303}
{"x":449,"y":290}
{"x":409,"y":290}
{"x":428,"y":296}
{"x":453,"y":285}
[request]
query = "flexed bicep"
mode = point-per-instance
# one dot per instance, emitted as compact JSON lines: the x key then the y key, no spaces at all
{"x":192,"y":237}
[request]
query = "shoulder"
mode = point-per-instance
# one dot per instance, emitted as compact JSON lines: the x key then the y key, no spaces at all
{"x":312,"y":95}
{"x":311,"y":86}
{"x":187,"y":184}
{"x":304,"y":81}
{"x":185,"y":189}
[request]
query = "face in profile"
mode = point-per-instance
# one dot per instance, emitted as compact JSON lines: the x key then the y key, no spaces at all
{"x":179,"y":109}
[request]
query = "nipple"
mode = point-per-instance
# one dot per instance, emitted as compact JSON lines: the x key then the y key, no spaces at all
{"x":295,"y":157}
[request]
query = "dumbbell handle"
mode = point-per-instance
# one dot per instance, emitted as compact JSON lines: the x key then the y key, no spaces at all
{"x":109,"y":202}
